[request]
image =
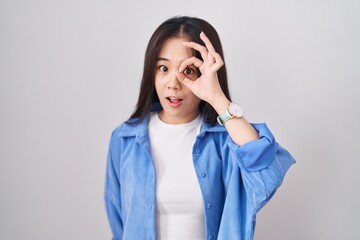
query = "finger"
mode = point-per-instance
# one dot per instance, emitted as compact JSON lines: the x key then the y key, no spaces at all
{"x":210,"y":47}
{"x":218,"y":61}
{"x":207,"y":42}
{"x":211,"y":59}
{"x":184,"y":80}
{"x":190,"y":61}
{"x":200,"y":48}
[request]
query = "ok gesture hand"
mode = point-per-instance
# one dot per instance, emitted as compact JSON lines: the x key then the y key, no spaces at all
{"x":207,"y":86}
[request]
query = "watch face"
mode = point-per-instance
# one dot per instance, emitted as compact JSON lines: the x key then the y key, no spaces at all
{"x":236,"y":110}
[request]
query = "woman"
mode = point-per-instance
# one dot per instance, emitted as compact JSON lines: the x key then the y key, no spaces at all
{"x":187,"y":164}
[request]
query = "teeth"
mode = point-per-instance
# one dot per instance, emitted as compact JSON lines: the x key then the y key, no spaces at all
{"x":174,"y":99}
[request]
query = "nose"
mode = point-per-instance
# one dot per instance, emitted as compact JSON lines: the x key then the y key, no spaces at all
{"x":173,"y":82}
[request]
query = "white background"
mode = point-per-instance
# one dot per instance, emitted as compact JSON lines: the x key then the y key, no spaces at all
{"x":70,"y":73}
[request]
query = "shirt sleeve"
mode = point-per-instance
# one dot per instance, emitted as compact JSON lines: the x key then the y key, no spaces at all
{"x":112,"y":195}
{"x":263,"y":164}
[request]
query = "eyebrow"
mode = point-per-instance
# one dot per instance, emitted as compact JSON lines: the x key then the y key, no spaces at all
{"x":162,"y":59}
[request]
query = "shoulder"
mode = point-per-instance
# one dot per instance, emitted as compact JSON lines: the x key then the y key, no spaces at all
{"x":216,"y":134}
{"x":220,"y":134}
{"x":216,"y":129}
{"x":130,"y":128}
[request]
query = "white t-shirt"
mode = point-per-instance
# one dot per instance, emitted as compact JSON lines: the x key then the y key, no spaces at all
{"x":180,"y":207}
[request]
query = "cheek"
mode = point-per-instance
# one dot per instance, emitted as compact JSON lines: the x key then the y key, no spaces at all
{"x":158,"y":84}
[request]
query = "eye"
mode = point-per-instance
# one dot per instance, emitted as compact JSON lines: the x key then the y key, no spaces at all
{"x":188,"y":71}
{"x":163,"y":68}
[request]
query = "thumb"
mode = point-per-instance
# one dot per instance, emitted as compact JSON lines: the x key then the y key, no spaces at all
{"x":184,"y":80}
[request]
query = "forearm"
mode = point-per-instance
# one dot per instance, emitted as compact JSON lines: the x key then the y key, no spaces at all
{"x":239,"y":129}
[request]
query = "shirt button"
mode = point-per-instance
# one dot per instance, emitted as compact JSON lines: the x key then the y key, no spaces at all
{"x":202,"y":174}
{"x":209,"y":205}
{"x":151,"y":207}
{"x":197,"y":151}
{"x":211,"y":237}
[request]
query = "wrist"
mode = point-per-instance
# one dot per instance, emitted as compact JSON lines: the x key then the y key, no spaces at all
{"x":220,"y":104}
{"x":233,"y":111}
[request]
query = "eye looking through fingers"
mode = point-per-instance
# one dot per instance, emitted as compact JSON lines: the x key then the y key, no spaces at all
{"x":191,"y":72}
{"x":188,"y":71}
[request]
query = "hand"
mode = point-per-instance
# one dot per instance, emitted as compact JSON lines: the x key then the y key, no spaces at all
{"x":207,"y":86}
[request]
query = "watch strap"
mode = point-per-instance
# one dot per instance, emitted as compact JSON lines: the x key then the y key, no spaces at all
{"x":222,"y":118}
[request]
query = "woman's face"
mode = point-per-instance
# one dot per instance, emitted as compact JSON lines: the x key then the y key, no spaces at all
{"x":179,"y":104}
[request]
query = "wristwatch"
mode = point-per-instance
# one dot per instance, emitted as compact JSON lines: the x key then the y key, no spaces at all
{"x":233,"y":111}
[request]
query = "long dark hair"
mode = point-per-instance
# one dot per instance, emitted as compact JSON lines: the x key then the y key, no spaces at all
{"x":189,"y":27}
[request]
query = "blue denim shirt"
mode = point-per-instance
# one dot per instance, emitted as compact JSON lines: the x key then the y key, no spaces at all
{"x":235,"y":181}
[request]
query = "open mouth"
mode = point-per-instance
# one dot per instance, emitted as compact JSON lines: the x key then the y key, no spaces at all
{"x":174,"y":99}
